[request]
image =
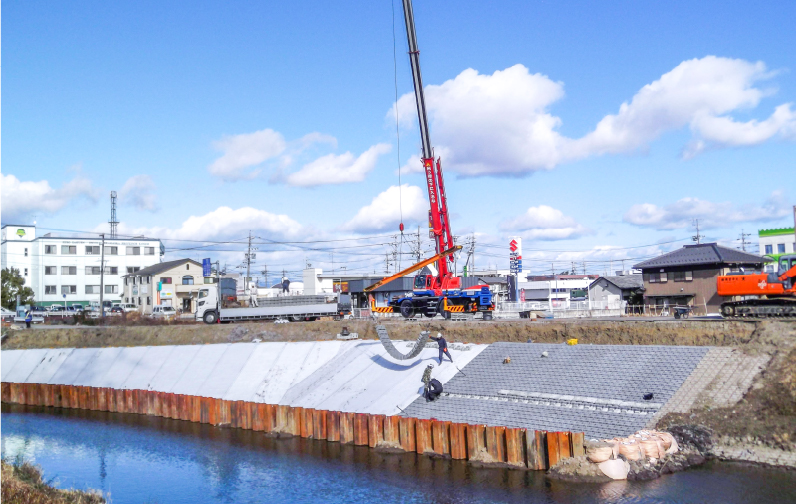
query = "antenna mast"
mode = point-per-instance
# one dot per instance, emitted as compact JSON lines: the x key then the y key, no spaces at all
{"x":113,"y":222}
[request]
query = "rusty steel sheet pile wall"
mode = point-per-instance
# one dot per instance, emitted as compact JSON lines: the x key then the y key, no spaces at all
{"x":480,"y":444}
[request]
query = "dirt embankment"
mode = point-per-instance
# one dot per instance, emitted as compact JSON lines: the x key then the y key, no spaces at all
{"x":703,"y":333}
{"x":766,"y":415}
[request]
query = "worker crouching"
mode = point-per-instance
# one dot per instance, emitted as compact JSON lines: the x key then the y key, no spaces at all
{"x":432,"y":387}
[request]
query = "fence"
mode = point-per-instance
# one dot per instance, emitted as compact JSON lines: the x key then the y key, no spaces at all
{"x":506,"y":446}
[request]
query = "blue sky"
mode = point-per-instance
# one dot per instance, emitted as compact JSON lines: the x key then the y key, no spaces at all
{"x":211,"y":119}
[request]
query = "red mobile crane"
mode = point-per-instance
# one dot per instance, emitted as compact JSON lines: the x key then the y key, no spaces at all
{"x":441,"y":293}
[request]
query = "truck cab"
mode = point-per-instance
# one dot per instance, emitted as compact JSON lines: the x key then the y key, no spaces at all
{"x":207,"y":305}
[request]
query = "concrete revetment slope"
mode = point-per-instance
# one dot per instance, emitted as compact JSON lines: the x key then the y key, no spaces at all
{"x":356,"y":392}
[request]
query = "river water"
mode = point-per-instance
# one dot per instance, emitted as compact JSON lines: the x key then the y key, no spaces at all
{"x":140,"y":459}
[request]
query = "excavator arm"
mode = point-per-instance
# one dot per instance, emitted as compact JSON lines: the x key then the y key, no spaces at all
{"x":414,"y":267}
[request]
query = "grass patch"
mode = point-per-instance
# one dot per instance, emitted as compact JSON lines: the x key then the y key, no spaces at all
{"x":22,"y":483}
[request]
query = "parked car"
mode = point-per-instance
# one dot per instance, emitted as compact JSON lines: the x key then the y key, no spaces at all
{"x":117,"y":309}
{"x":56,"y":308}
{"x":128,"y":307}
{"x":7,"y":315}
{"x":160,"y":311}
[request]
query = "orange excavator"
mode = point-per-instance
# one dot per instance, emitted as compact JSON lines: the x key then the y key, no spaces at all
{"x":776,"y":291}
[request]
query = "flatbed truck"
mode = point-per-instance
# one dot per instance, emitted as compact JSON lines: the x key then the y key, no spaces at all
{"x":294,"y":308}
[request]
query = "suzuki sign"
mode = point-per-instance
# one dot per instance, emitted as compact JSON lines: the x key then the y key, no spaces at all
{"x":515,"y":254}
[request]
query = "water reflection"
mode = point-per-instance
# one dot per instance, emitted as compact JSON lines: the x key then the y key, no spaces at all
{"x":138,"y":458}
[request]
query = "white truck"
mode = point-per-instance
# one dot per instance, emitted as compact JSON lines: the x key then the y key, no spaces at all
{"x":295,"y":308}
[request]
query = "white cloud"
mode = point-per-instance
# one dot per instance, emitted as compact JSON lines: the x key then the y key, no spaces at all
{"x":21,"y":200}
{"x":138,"y":192}
{"x":338,"y":169}
{"x":242,"y":154}
{"x":383,"y":212}
{"x":545,"y":223}
{"x":681,"y":214}
{"x":223,"y":222}
{"x":500,"y":124}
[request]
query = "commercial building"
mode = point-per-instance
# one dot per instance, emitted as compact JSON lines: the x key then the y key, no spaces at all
{"x":775,"y":242}
{"x":173,"y":283}
{"x":67,"y":270}
{"x":557,"y":290}
{"x":687,"y":276}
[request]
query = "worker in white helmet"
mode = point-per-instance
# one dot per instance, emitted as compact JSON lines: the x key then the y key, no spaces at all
{"x":443,"y":347}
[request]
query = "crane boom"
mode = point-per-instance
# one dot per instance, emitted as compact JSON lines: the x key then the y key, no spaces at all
{"x":412,"y":269}
{"x":438,"y":218}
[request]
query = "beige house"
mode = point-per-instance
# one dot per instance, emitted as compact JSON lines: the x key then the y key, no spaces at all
{"x":172,"y":283}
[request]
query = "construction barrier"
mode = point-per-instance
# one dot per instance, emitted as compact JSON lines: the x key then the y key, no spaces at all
{"x":507,"y":446}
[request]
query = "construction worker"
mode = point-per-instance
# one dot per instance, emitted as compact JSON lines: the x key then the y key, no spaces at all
{"x":443,"y":347}
{"x":432,"y":388}
{"x":28,"y":318}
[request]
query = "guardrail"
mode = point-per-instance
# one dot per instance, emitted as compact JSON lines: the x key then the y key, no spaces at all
{"x":481,"y":444}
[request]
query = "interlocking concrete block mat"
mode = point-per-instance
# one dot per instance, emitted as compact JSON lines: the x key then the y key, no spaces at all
{"x":596,"y":389}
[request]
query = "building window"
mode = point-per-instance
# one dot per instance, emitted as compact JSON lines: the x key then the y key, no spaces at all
{"x":148,"y":300}
{"x":187,"y":280}
{"x":111,"y":250}
{"x":769,"y":249}
{"x":69,"y":270}
{"x":682,"y":276}
{"x":92,"y":289}
{"x":51,"y":270}
{"x":111,"y":270}
{"x":69,"y":249}
{"x":165,"y":280}
{"x":187,"y":266}
{"x":26,"y":251}
{"x":92,"y":250}
{"x":50,"y":249}
{"x":26,"y":271}
{"x":127,"y":300}
{"x":111,"y":289}
{"x":132,"y":269}
{"x":780,"y":249}
{"x":149,"y":250}
{"x":209,"y":280}
{"x":139,"y":301}
{"x":50,"y":289}
{"x":133,"y":250}
{"x":69,"y":289}
{"x":92,"y":270}
{"x":658,"y":277}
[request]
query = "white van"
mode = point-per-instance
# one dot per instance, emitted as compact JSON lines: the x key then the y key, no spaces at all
{"x":160,"y":311}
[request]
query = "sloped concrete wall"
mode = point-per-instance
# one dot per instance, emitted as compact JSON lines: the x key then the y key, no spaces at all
{"x":347,"y":376}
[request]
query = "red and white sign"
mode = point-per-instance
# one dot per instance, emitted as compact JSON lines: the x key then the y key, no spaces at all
{"x":515,"y":254}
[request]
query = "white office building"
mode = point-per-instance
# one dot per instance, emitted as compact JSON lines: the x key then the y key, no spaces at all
{"x":60,"y":269}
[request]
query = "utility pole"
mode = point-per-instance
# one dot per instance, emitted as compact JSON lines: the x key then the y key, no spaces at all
{"x":249,"y":258}
{"x":102,"y":273}
{"x":698,"y":237}
{"x":742,"y":237}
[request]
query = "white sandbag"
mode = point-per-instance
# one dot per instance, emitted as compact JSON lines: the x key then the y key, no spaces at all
{"x":615,"y":469}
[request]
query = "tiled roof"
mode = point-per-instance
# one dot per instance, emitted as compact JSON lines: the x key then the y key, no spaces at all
{"x":587,"y":382}
{"x":705,"y":253}
{"x":161,"y":267}
{"x":624,"y":282}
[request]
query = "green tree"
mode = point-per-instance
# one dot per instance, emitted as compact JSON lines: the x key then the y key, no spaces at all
{"x":13,"y":285}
